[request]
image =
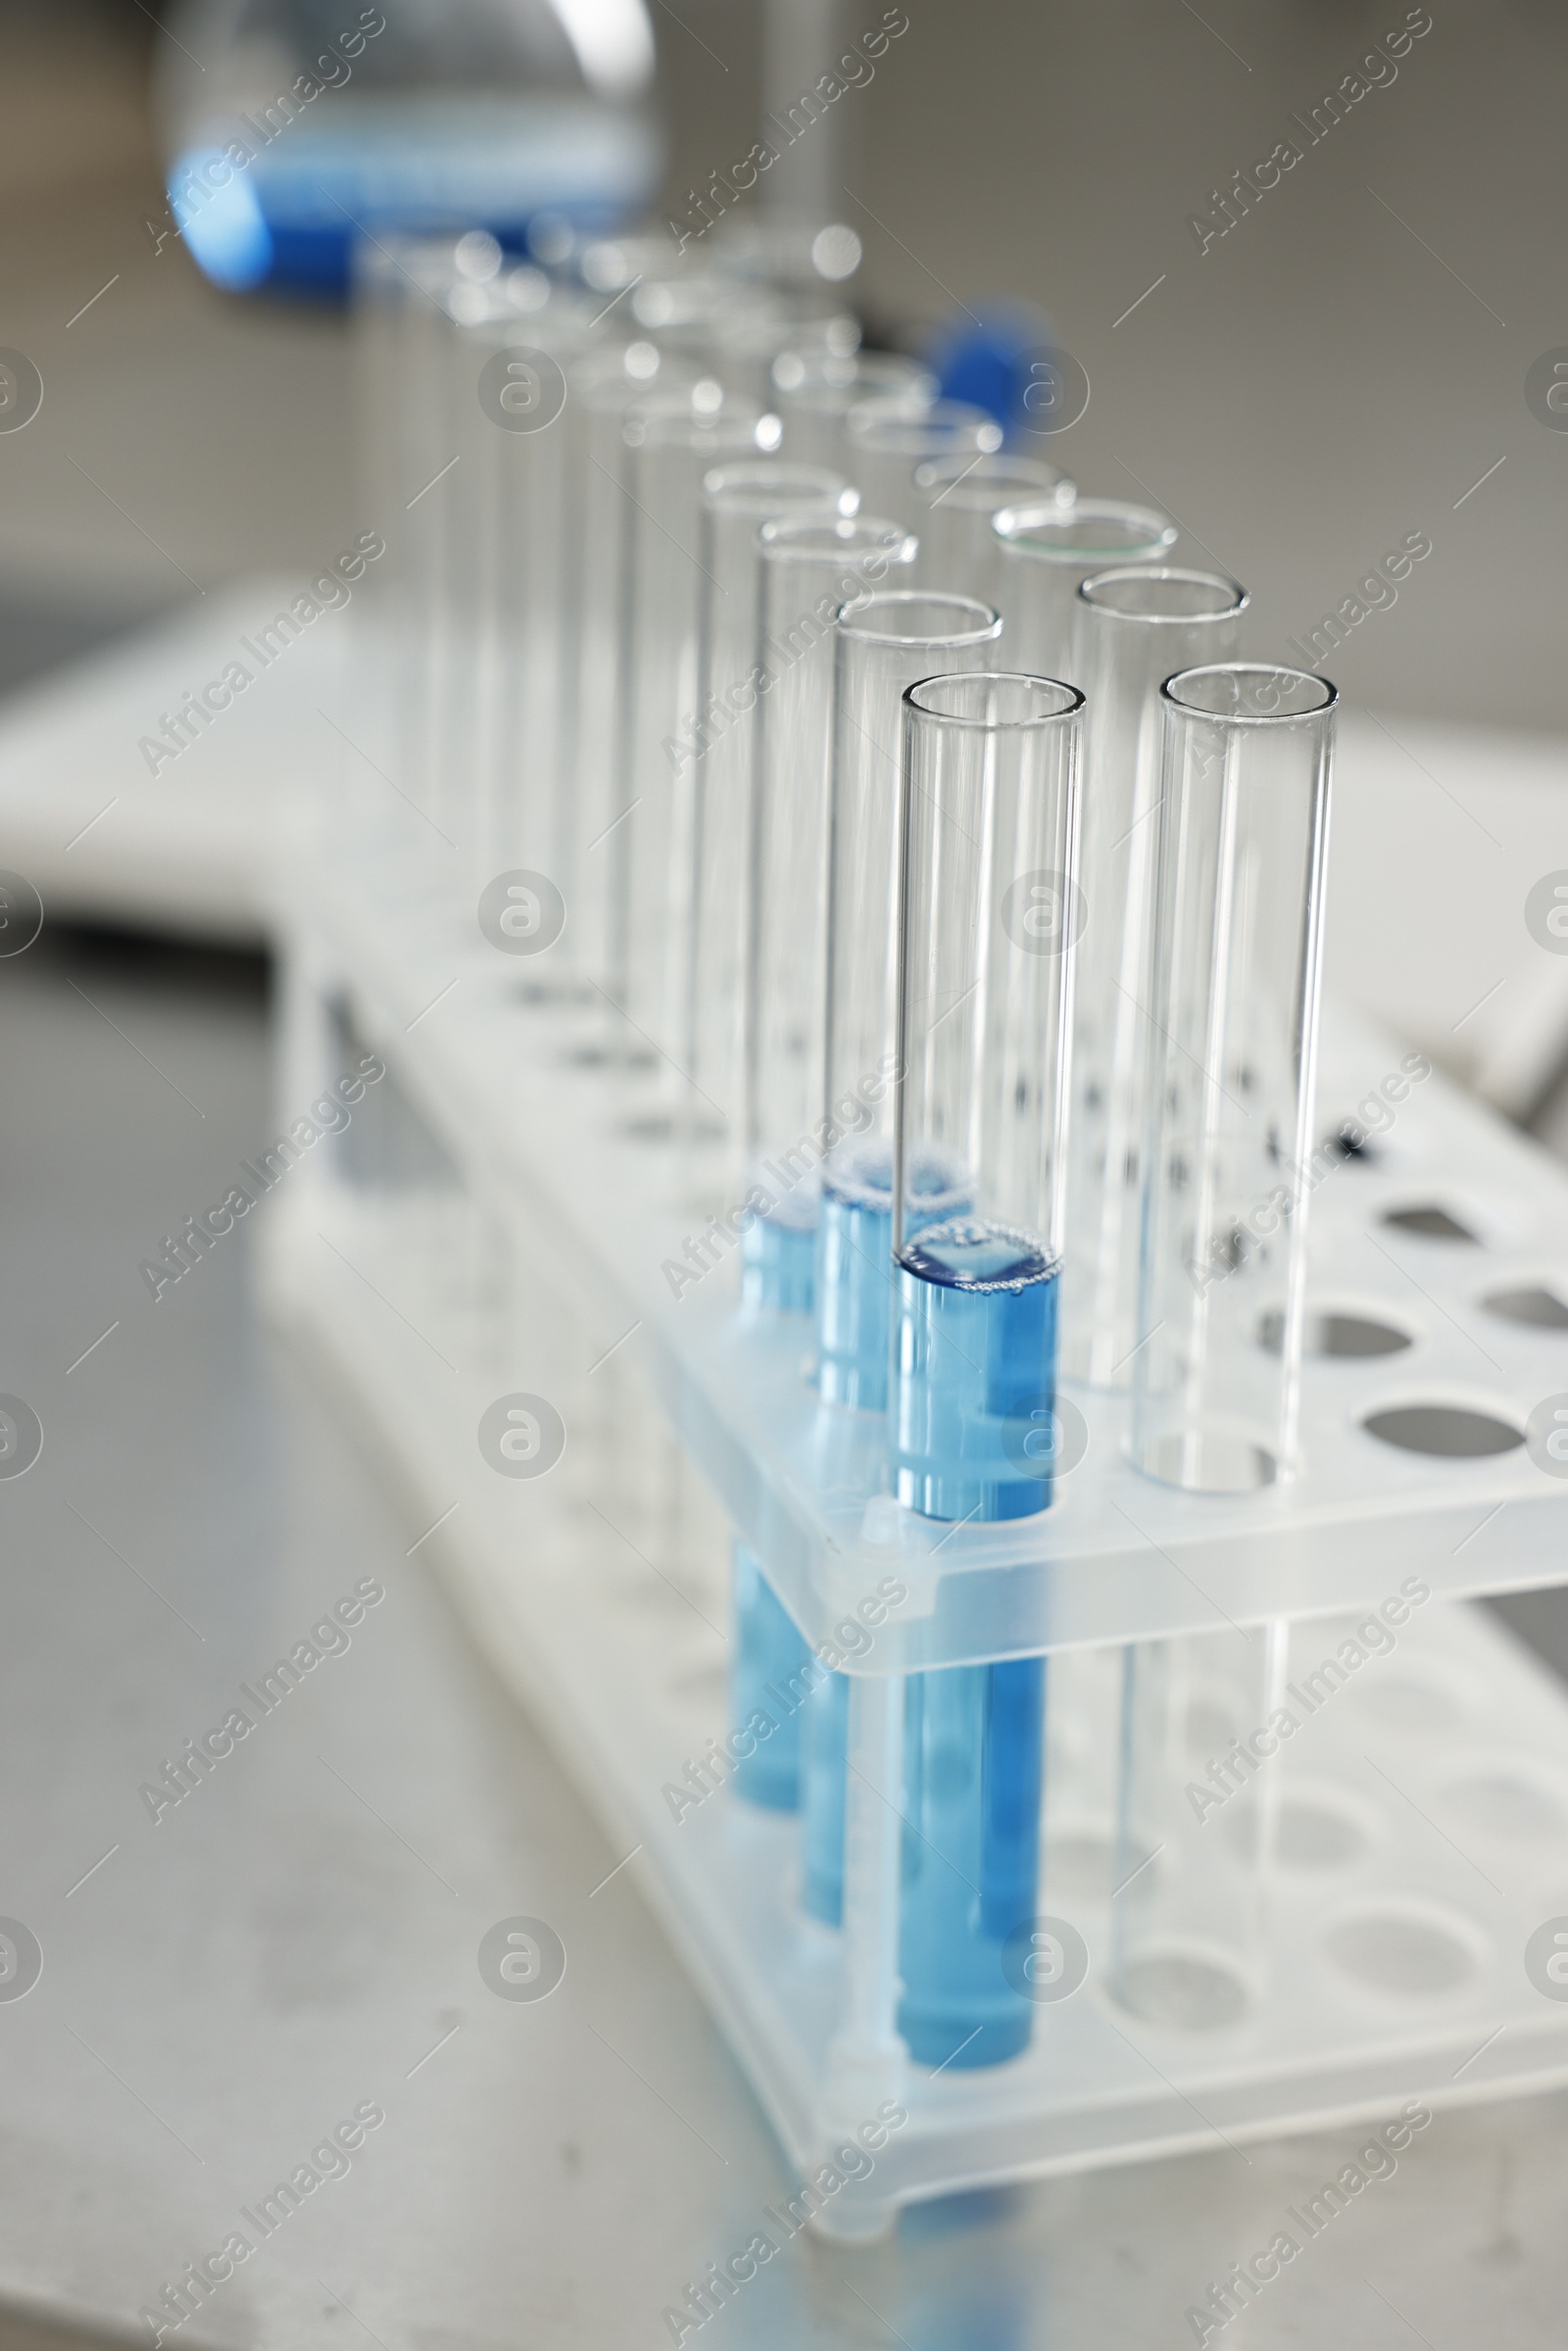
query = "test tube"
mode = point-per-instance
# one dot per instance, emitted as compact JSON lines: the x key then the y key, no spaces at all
{"x":675,"y":441}
{"x":809,"y":568}
{"x":1044,"y":552}
{"x":958,"y":498}
{"x":886,"y":445}
{"x":988,"y":822}
{"x":1198,"y":1826}
{"x":603,"y":388}
{"x":1135,"y":627}
{"x":816,"y":390}
{"x":737,"y":500}
{"x":1243,"y":845}
{"x":885,"y":643}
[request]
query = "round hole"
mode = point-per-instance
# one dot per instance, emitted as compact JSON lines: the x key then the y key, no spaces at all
{"x":1456,"y":1431}
{"x":1207,"y":1461}
{"x":1416,"y":1704}
{"x":1429,"y":1221}
{"x":1211,"y":1725}
{"x":1535,"y":1305}
{"x":1331,"y":1334}
{"x":1183,"y":1990}
{"x":1402,"y":1951}
{"x":1318,"y":1833}
{"x":1512,"y":1805}
{"x":1078,"y":1861}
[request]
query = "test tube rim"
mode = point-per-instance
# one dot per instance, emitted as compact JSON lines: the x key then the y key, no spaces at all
{"x":849,"y":625}
{"x":1071,"y":704}
{"x":1307,"y":677}
{"x":877,"y":424}
{"x":1009,"y":522}
{"x":1143,"y":575}
{"x":818,"y":538}
{"x":761,"y":499}
{"x":968,"y":478}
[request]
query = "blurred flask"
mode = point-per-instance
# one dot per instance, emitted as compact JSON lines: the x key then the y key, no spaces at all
{"x":289,"y":125}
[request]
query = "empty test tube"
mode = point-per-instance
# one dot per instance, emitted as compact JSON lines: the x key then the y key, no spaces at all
{"x":1135,"y":627}
{"x":675,"y":439}
{"x":990,"y":823}
{"x":737,"y":500}
{"x":1044,"y":550}
{"x":814,"y":391}
{"x":1243,"y":847}
{"x":886,"y":445}
{"x":958,"y":498}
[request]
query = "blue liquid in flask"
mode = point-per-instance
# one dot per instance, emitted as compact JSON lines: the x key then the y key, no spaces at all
{"x":974,"y":1392}
{"x":855,"y":1264}
{"x":778,"y":1262}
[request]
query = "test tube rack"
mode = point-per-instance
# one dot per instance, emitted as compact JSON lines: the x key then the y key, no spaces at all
{"x":498,"y":1220}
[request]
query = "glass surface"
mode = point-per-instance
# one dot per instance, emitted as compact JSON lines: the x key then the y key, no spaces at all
{"x":1135,"y":627}
{"x":1229,"y":1139}
{"x":769,"y":1657}
{"x":1046,"y":551}
{"x":814,"y":391}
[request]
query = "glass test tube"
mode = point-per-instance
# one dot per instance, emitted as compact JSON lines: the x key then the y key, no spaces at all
{"x":737,"y":500}
{"x":808,"y":570}
{"x":1044,"y":550}
{"x":1188,"y":1942}
{"x":814,"y":391}
{"x":883,"y":643}
{"x":958,"y":498}
{"x":675,"y":441}
{"x":1243,"y":847}
{"x":886,"y":445}
{"x":990,"y":823}
{"x":1135,"y":627}
{"x":604,"y":387}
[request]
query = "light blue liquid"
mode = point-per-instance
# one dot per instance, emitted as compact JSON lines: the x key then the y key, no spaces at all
{"x":764,"y":1679}
{"x":778,"y":1265}
{"x":973,"y":1743}
{"x":824,"y":1768}
{"x":975,"y":1372}
{"x":974,"y":1387}
{"x":855,"y":1265}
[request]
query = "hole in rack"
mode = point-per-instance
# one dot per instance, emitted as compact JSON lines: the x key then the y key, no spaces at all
{"x":1402,"y":1950}
{"x":1431,"y":1222}
{"x":1079,"y":1859}
{"x":1318,"y":1831}
{"x":1328,"y":1333}
{"x":1535,"y":1305}
{"x":1417,"y":1704}
{"x":1504,"y":1802}
{"x":1207,"y":1461}
{"x":1452,"y":1431}
{"x":1183,"y":1990}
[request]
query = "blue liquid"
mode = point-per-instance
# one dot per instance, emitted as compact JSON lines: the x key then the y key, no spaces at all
{"x":824,"y":1768}
{"x":855,"y":1267}
{"x":975,"y":1372}
{"x":973,"y":1743}
{"x":974,"y":1386}
{"x":778,"y":1263}
{"x":765,"y":1679}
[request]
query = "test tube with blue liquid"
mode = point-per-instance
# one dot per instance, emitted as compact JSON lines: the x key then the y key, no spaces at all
{"x":809,"y":567}
{"x":986,"y":931}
